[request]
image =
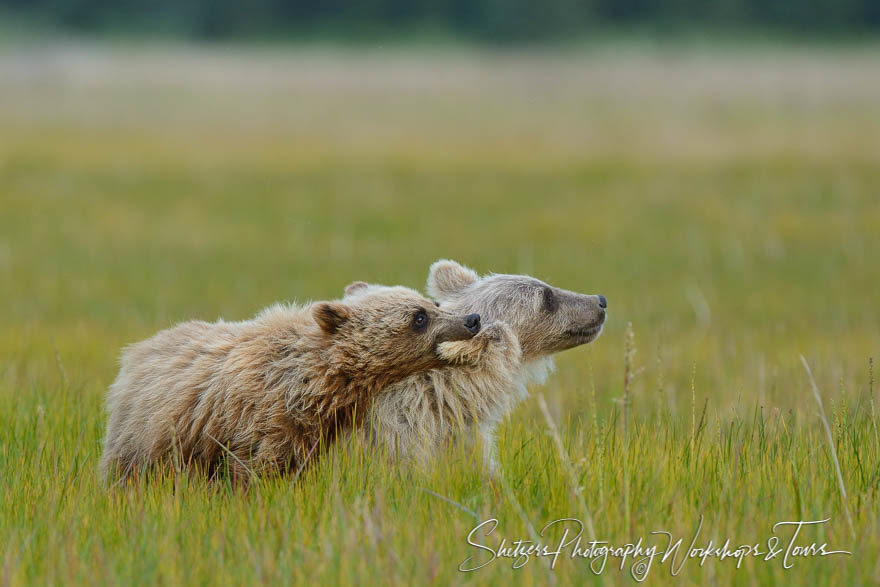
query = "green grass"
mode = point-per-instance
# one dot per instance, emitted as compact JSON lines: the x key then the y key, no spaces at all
{"x":725,"y":203}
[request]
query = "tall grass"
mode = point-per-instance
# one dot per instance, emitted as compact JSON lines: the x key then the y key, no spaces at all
{"x":725,"y":204}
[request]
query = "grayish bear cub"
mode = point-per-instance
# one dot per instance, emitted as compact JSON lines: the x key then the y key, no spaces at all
{"x":525,"y":322}
{"x":268,"y":390}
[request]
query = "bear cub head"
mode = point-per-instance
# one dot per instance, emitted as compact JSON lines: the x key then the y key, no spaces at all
{"x":546,"y":319}
{"x":393,"y":328}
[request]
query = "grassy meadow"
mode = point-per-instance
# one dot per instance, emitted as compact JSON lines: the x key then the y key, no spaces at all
{"x":725,"y":201}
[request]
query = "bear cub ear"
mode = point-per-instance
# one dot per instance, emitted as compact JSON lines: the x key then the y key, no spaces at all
{"x":447,"y":277}
{"x":355,"y":286}
{"x":330,"y":315}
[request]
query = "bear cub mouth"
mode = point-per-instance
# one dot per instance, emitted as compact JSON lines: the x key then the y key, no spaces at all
{"x":587,"y":332}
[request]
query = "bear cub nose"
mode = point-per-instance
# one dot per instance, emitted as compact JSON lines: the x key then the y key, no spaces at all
{"x":603,"y":303}
{"x":472,"y":323}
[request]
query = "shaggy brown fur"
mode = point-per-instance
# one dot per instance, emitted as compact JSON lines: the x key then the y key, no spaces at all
{"x":271,"y":389}
{"x":417,"y":416}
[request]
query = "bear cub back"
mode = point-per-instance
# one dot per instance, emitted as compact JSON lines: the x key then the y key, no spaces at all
{"x":267,"y":392}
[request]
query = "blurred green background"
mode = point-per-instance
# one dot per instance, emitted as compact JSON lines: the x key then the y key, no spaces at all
{"x":723,"y":199}
{"x":478,"y":20}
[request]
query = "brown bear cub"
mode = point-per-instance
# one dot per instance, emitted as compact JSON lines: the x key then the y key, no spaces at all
{"x":266,"y":392}
{"x":525,"y":321}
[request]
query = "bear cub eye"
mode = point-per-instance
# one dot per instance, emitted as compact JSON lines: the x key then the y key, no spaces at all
{"x":549,"y":299}
{"x":420,"y":320}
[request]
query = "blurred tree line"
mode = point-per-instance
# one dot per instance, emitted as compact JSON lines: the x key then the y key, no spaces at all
{"x":493,"y":20}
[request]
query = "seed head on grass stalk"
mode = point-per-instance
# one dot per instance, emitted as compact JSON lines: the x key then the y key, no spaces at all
{"x":628,"y":375}
{"x":694,"y":400}
{"x":661,"y":383}
{"x":871,"y":394}
{"x":597,"y":438}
